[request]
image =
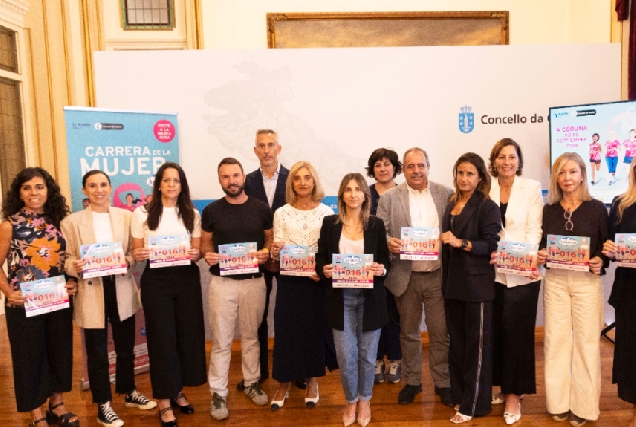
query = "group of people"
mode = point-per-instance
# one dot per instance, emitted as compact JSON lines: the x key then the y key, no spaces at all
{"x":612,"y":149}
{"x":480,"y":322}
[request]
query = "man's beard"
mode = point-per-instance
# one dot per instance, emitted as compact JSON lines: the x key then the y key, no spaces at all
{"x":235,"y":193}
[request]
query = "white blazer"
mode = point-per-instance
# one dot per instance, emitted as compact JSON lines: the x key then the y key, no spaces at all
{"x":524,"y":217}
{"x":88,"y":305}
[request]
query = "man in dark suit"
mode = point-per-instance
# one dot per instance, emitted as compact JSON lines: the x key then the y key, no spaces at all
{"x":267,"y":184}
{"x":417,"y":203}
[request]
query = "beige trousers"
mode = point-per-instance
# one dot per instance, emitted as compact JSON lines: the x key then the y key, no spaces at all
{"x":228,"y":301}
{"x":573,"y":303}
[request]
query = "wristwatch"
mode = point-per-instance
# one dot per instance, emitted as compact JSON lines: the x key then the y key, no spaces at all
{"x":464,"y":243}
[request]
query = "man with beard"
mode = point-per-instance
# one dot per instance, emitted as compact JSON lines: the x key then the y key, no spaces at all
{"x":417,"y":203}
{"x":235,"y":218}
{"x":267,"y":184}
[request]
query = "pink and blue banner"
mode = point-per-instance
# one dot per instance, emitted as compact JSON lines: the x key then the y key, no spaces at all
{"x":130,"y":146}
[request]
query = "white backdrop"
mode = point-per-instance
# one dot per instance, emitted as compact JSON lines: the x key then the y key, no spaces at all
{"x":334,"y":106}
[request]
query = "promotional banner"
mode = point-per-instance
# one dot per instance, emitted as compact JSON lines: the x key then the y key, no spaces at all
{"x":604,"y":135}
{"x":352,"y":271}
{"x":518,"y":258}
{"x":419,"y":244}
{"x":44,"y":295}
{"x":568,"y":252}
{"x":298,"y":260}
{"x":129,"y":146}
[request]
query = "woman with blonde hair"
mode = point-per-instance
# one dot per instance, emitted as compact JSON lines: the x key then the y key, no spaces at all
{"x":356,"y":315}
{"x":301,"y":335}
{"x":573,"y":300}
{"x":622,"y":219}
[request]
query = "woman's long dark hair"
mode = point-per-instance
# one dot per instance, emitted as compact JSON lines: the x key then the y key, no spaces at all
{"x":55,"y":207}
{"x":483,"y":187}
{"x":185,"y":208}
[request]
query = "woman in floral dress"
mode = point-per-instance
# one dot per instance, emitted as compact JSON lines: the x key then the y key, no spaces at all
{"x":34,"y":247}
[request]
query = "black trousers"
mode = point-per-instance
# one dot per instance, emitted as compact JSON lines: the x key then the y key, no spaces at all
{"x":623,"y":372}
{"x":42,"y":355}
{"x":96,"y":340}
{"x":389,"y":343}
{"x":263,"y":329}
{"x":514,"y":319}
{"x":173,"y":307}
{"x":470,"y":355}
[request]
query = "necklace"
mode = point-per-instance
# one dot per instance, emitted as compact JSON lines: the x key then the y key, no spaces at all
{"x":568,"y":209}
{"x":567,"y":214}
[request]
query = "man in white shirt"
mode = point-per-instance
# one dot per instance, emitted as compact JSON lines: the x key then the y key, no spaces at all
{"x":267,"y":184}
{"x":417,"y":203}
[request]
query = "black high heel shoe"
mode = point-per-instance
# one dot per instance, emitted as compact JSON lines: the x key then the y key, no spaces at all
{"x":64,"y":419}
{"x":185,"y":409}
{"x":172,"y":423}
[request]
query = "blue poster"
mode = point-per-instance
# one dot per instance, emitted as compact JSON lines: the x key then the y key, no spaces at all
{"x":129,"y":146}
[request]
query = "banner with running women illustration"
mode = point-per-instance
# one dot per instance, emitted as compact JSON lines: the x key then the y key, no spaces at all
{"x":129,"y":146}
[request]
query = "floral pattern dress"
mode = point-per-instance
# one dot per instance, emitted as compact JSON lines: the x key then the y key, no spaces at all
{"x":38,"y":249}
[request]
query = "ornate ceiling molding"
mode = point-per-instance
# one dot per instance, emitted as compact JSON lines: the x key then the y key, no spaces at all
{"x":12,"y":11}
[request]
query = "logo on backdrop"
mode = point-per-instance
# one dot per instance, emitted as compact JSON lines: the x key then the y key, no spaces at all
{"x":466,"y":119}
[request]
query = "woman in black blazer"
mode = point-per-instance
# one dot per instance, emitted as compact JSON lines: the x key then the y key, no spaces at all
{"x":469,"y":234}
{"x":622,"y":219}
{"x":356,"y":315}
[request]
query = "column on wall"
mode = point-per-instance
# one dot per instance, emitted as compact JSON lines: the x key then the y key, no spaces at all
{"x":61,"y":36}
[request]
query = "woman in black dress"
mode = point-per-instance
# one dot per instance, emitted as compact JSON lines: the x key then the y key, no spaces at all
{"x":622,"y":219}
{"x":300,"y":327}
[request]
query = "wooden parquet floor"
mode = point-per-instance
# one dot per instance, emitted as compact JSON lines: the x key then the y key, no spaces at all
{"x":425,"y":411}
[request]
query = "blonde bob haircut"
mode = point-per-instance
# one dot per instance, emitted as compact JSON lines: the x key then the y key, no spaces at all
{"x":629,"y":197}
{"x":556,"y":194}
{"x":317,"y":193}
{"x":365,"y":210}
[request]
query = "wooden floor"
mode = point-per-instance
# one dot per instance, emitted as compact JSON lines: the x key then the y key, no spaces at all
{"x":426,"y":410}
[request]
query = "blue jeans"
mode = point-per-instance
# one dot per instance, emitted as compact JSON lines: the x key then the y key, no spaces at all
{"x":356,"y":350}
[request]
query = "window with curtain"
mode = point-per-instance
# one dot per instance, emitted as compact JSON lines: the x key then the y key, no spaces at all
{"x":147,"y":14}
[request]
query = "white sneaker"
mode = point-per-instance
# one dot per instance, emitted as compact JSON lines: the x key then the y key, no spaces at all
{"x":218,"y":407}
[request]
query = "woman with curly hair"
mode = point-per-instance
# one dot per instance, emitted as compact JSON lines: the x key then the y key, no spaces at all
{"x":34,"y":247}
{"x":384,"y":166}
{"x":171,"y":296}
